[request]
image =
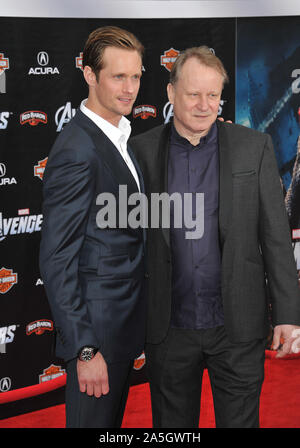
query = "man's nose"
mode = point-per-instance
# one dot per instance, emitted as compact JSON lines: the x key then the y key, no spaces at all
{"x":202,"y":103}
{"x":128,"y":85}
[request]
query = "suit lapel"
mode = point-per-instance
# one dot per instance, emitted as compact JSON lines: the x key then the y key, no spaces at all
{"x":225,"y":185}
{"x":138,"y":170}
{"x":164,"y":148}
{"x":142,"y":185}
{"x":109,"y":153}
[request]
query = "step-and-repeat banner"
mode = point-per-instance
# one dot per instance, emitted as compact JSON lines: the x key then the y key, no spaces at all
{"x":41,"y":85}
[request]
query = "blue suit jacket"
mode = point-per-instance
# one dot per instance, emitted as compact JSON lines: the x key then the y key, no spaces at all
{"x":93,"y":277}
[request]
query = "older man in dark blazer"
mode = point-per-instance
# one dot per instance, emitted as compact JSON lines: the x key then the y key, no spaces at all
{"x":208,"y":302}
{"x":94,"y":275}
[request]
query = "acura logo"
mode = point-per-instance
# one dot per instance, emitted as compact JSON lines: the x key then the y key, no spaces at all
{"x":5,"y":384}
{"x":43,"y":58}
{"x":2,"y":169}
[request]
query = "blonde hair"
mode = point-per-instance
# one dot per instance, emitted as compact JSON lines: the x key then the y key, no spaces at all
{"x":204,"y":55}
{"x":107,"y":36}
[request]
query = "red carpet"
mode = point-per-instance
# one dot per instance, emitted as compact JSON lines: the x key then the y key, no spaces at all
{"x":280,"y":402}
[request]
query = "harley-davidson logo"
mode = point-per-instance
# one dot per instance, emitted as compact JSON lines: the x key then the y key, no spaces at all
{"x":51,"y":373}
{"x":33,"y":117}
{"x":4,"y":63}
{"x":8,"y":279}
{"x":79,"y":61}
{"x":39,"y":327}
{"x":40,"y":168}
{"x":139,"y":362}
{"x":168,"y":58}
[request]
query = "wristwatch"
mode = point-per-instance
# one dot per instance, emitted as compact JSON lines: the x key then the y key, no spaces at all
{"x":87,"y":353}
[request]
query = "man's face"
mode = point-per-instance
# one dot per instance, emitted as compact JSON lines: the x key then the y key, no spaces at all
{"x":118,"y":84}
{"x":196,"y":97}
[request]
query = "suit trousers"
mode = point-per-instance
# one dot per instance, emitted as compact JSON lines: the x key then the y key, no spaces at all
{"x":83,"y":411}
{"x":175,"y":369}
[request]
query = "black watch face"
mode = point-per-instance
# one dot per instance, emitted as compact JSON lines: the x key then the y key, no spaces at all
{"x":87,"y":354}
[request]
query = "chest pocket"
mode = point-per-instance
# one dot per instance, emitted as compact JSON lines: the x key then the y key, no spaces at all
{"x":243,"y":174}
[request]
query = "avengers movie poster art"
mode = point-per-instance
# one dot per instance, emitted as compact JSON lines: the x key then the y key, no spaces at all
{"x":268,"y":98}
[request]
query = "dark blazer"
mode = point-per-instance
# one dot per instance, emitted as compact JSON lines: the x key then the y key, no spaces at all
{"x":93,"y":277}
{"x":253,"y":229}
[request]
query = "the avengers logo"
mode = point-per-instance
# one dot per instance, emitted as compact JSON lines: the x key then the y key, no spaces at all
{"x":7,"y":334}
{"x":168,"y":112}
{"x":24,"y":223}
{"x":4,"y":116}
{"x":63,"y":115}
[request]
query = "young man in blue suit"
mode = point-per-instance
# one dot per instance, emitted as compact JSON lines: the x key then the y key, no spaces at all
{"x":94,"y":276}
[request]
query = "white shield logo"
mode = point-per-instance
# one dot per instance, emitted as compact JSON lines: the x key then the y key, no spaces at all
{"x":5,"y":384}
{"x":2,"y":169}
{"x":43,"y":58}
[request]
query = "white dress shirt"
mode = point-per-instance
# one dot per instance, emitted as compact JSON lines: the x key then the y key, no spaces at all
{"x":117,"y":135}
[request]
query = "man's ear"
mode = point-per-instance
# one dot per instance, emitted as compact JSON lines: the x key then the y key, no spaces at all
{"x":89,"y":76}
{"x":171,"y":93}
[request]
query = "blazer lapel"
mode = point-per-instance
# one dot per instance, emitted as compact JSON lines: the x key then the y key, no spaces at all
{"x":142,"y":185}
{"x":109,"y":153}
{"x":164,"y":148}
{"x":138,"y":170}
{"x":225,"y":183}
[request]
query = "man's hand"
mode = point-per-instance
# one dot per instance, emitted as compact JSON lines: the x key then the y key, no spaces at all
{"x":222,"y":119}
{"x":93,"y":376}
{"x":287,"y":334}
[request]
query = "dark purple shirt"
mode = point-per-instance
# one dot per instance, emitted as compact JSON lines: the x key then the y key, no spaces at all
{"x":196,"y":263}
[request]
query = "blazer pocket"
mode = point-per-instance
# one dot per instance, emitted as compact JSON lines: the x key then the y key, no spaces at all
{"x":117,"y":266}
{"x":255,"y":281}
{"x":241,"y":174}
{"x":89,"y":255}
{"x":106,"y":289}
